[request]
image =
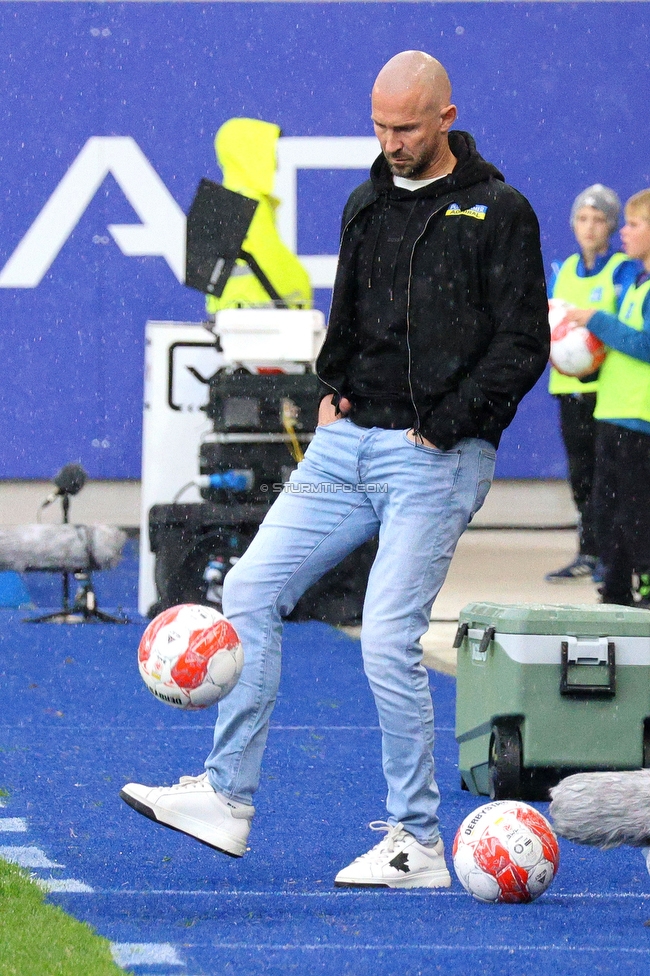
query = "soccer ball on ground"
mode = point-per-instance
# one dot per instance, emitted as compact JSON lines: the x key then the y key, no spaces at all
{"x":574,"y":351}
{"x":190,"y":656}
{"x":505,"y":851}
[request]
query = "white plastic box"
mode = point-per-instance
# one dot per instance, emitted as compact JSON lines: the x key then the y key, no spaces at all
{"x":270,"y":334}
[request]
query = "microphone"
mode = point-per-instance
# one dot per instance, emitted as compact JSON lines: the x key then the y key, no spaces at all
{"x":69,"y":481}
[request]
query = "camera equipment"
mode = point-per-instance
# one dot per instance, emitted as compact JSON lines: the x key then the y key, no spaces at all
{"x":78,"y":556}
{"x":262,"y":423}
{"x":263,"y":407}
{"x":217,"y":224}
{"x":195,"y":545}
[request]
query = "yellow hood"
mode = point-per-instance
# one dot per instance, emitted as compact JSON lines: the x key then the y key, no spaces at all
{"x":246,"y":153}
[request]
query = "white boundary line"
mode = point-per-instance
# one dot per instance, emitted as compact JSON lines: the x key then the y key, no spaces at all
{"x":145,"y":954}
{"x":370,"y":2}
{"x":13,"y":825}
{"x":358,"y":893}
{"x":421,"y":946}
{"x":67,"y":886}
{"x":28,"y":857}
{"x":202,"y":728}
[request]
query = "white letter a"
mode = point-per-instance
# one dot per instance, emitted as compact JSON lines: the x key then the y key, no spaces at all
{"x":161,"y":233}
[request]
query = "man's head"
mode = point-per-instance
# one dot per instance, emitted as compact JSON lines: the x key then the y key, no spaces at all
{"x":636,"y":232}
{"x":594,"y":218}
{"x":412,"y":115}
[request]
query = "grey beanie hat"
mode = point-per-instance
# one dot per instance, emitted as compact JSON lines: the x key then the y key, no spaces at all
{"x":603,"y":199}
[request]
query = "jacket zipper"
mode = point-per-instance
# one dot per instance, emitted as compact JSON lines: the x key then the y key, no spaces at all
{"x":408,"y":300}
{"x":416,"y":429}
{"x":353,"y":217}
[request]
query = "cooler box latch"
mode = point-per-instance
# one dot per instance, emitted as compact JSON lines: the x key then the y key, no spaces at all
{"x":581,"y":654}
{"x":461,"y":634}
{"x":486,"y":639}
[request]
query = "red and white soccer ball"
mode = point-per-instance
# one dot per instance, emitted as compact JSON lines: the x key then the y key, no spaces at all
{"x":505,"y":851}
{"x":574,"y":351}
{"x":190,"y":656}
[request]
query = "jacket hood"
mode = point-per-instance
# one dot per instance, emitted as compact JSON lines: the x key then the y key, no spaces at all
{"x":246,"y":153}
{"x":471,"y":168}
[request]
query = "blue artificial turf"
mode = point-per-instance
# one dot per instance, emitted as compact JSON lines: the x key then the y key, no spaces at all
{"x":77,"y":723}
{"x":13,"y":592}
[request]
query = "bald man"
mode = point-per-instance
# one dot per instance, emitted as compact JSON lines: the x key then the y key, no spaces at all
{"x":438,"y":328}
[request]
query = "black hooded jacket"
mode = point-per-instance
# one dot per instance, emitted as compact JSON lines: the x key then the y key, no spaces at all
{"x":471,"y":311}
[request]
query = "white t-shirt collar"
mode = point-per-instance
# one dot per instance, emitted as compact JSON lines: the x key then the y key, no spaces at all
{"x":411,"y":185}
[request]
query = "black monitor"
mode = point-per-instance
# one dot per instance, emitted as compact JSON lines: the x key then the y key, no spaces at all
{"x":217,"y":223}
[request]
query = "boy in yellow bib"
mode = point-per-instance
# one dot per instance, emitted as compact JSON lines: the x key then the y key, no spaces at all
{"x":623,"y":423}
{"x":594,"y":277}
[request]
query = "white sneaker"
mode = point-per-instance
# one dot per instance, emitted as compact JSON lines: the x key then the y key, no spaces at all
{"x":195,"y":808}
{"x":397,"y":861}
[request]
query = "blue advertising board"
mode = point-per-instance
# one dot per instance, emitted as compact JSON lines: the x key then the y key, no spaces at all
{"x":107,"y":125}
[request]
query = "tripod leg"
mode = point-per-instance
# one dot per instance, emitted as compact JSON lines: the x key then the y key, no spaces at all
{"x":86,"y":604}
{"x":83,"y":611}
{"x":58,"y":617}
{"x":106,"y":618}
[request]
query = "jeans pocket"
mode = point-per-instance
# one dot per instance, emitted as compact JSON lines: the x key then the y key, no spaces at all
{"x":426,"y":449}
{"x":485,"y":474}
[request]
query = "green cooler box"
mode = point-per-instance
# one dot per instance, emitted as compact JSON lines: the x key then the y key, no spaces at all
{"x":544,"y":691}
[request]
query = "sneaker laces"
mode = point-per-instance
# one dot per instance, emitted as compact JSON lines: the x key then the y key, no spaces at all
{"x":188,"y":780}
{"x":395,"y":836}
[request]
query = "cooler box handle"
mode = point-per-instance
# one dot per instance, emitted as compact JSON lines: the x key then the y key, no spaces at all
{"x":598,"y":653}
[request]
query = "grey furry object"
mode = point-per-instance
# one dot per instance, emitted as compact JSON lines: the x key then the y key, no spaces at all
{"x":603,"y":809}
{"x":44,"y":546}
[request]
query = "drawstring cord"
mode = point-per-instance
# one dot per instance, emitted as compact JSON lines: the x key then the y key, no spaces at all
{"x":384,"y":207}
{"x":375,"y":244}
{"x":391,"y":291}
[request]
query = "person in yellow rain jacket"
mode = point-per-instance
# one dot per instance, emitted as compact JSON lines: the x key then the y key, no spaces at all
{"x":246,"y":153}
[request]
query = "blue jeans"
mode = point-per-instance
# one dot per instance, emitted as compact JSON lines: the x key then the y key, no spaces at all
{"x":353,"y":484}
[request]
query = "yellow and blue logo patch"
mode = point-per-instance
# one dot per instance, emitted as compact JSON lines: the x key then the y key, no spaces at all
{"x":478,"y":211}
